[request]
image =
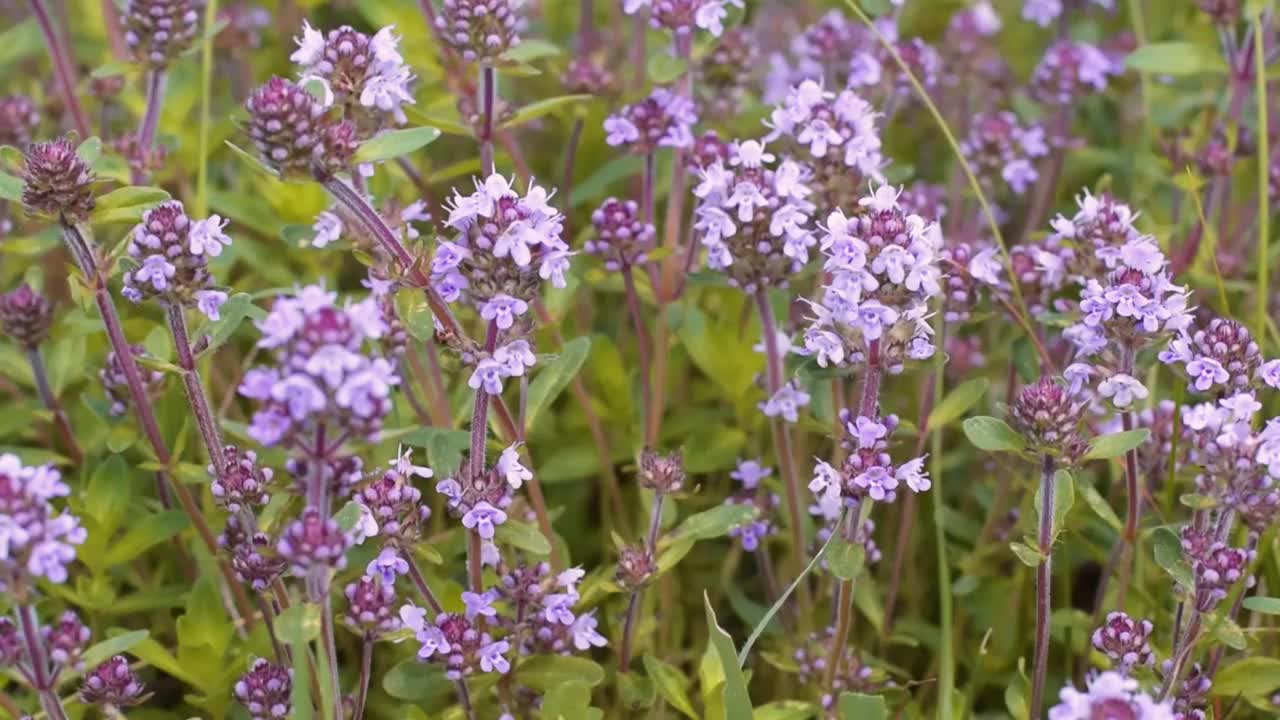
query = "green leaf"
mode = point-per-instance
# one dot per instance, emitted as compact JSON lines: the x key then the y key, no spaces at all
{"x":570,"y":700}
{"x":146,"y":534}
{"x":958,"y":402}
{"x":531,"y":49}
{"x":846,"y":558}
{"x":127,"y":204}
{"x":856,"y":706}
{"x":876,"y":8}
{"x":737,"y":702}
{"x":416,"y":681}
{"x":992,"y":434}
{"x":544,"y":672}
{"x":1176,"y":58}
{"x":1250,"y":677}
{"x":1105,"y":447}
{"x":205,"y":624}
{"x":238,"y":308}
{"x":1027,"y":554}
{"x":714,"y":522}
{"x":1264,"y":605}
{"x":109,"y":648}
{"x":299,"y":624}
{"x":670,"y":684}
{"x":524,"y":536}
{"x":1099,"y":505}
{"x":535,"y":110}
{"x":555,"y":377}
{"x":155,"y":655}
{"x":1168,"y":554}
{"x":1064,"y":497}
{"x":252,"y":159}
{"x":348,"y":516}
{"x":768,"y":616}
{"x":108,"y":494}
{"x":1227,"y":631}
{"x":90,"y":150}
{"x":19,"y":41}
{"x":394,"y":143}
{"x":785,"y":710}
{"x":444,"y":446}
{"x":10,"y":187}
{"x":665,"y":68}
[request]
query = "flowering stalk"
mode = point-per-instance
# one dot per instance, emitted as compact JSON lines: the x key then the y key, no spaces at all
{"x":196,"y":396}
{"x":53,"y":405}
{"x":1044,"y":584}
{"x":63,"y":68}
{"x":141,"y":403}
{"x":156,"y":80}
{"x":488,"y":98}
{"x":633,"y":604}
{"x":782,"y":433}
{"x":366,"y":667}
{"x":644,"y":350}
{"x":42,"y":680}
{"x":676,"y":196}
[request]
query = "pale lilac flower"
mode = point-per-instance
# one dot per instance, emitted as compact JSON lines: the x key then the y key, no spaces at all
{"x":488,"y":374}
{"x":1109,"y":695}
{"x":912,"y":473}
{"x":750,"y":473}
{"x":208,"y":302}
{"x":584,"y":632}
{"x":786,"y":402}
{"x":1122,"y":389}
{"x":1270,"y":373}
{"x":483,"y":518}
{"x":493,"y":657}
{"x":479,"y":604}
{"x":510,"y":469}
{"x":1078,"y":374}
{"x":503,"y":310}
{"x":328,"y":228}
{"x":387,"y":566}
{"x":1207,"y":372}
{"x":877,"y":481}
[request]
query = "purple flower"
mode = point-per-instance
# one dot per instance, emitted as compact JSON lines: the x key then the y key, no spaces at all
{"x":786,"y":402}
{"x":503,"y":310}
{"x":479,"y":604}
{"x":584,"y":632}
{"x":488,"y":374}
{"x":387,"y":566}
{"x":493,"y":657}
{"x":750,"y":473}
{"x":912,"y":473}
{"x":482,"y":518}
{"x":1109,"y":695}
{"x":877,"y":481}
{"x":1207,"y":372}
{"x":510,"y":469}
{"x":868,"y":431}
{"x":1122,"y":389}
{"x":1270,"y":373}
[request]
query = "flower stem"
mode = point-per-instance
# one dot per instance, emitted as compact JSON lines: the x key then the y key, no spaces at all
{"x":53,"y":405}
{"x":646,"y":187}
{"x":488,"y":98}
{"x":196,"y":396}
{"x":142,"y":408}
{"x":644,"y":352}
{"x":782,"y":435}
{"x":844,"y":594}
{"x":420,"y":583}
{"x":476,"y":461}
{"x":676,"y":195}
{"x":63,"y":68}
{"x":633,"y":604}
{"x":1044,"y":585}
{"x":156,"y":81}
{"x":366,"y":668}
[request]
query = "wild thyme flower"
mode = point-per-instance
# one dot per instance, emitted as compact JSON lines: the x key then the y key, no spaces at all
{"x":1048,"y":415}
{"x":19,"y":118}
{"x":356,"y":70}
{"x":254,"y":560}
{"x":663,"y":119}
{"x":25,"y":316}
{"x":240,"y":483}
{"x":1044,"y":12}
{"x":57,"y":182}
{"x":835,"y":137}
{"x":461,"y":643}
{"x":724,"y":71}
{"x":1216,"y":571}
{"x":663,"y":474}
{"x":753,"y":217}
{"x":1002,"y":149}
{"x":394,"y":503}
{"x":313,"y":542}
{"x":636,"y":568}
{"x":822,"y":51}
{"x":587,"y":75}
{"x":1068,"y":71}
{"x":852,"y":674}
{"x":868,"y":470}
{"x":371,"y":607}
{"x":481,"y":502}
{"x":36,"y":539}
{"x":883,"y":270}
{"x":1109,"y":695}
{"x":621,"y":235}
{"x":112,"y":684}
{"x":322,"y":376}
{"x":548,"y":622}
{"x":294,"y":134}
{"x":681,"y":16}
{"x":1124,"y":641}
{"x":707,"y":148}
{"x":1225,"y":13}
{"x":480,"y":30}
{"x":749,"y":474}
{"x":1086,"y":244}
{"x":115,"y":384}
{"x":66,"y":639}
{"x":265,"y":690}
{"x":171,"y":254}
{"x":1237,"y":466}
{"x":1219,"y":357}
{"x":157,"y":31}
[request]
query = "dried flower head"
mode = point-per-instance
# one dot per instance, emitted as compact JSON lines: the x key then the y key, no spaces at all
{"x":57,"y":181}
{"x":636,"y":567}
{"x":157,"y":31}
{"x":25,"y":316}
{"x":663,"y":474}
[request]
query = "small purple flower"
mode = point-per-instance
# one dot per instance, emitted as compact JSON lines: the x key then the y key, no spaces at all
{"x":112,"y":683}
{"x":912,"y":473}
{"x":1207,"y":372}
{"x":387,"y":566}
{"x":509,"y":467}
{"x":584,"y":632}
{"x":503,"y":310}
{"x":493,"y":657}
{"x":1122,"y":389}
{"x":1270,"y":373}
{"x":488,"y":375}
{"x":877,"y":481}
{"x":786,"y":402}
{"x":1109,"y":695}
{"x":750,"y":473}
{"x":868,"y":431}
{"x":479,"y":604}
{"x":483,"y":518}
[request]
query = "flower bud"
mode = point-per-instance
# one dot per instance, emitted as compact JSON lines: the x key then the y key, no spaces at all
{"x":240,"y":482}
{"x":58,"y":182}
{"x":371,"y":607}
{"x":480,"y":30}
{"x":25,"y":316}
{"x":265,"y":690}
{"x":622,"y":237}
{"x":663,"y":474}
{"x":290,"y":129}
{"x":1124,"y":641}
{"x":313,"y":541}
{"x":112,"y":683}
{"x":635,"y":568}
{"x":1046,"y":414}
{"x":157,"y":31}
{"x":66,"y":640}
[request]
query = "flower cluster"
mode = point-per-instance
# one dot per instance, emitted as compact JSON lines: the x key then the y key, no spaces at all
{"x":1001,"y":147}
{"x":681,"y":16}
{"x":25,"y":316}
{"x":57,"y":182}
{"x":883,"y":269}
{"x":723,"y":72}
{"x":313,"y":542}
{"x":1070,"y":70}
{"x":265,"y":690}
{"x":66,"y":640}
{"x":1124,"y":641}
{"x":462,"y":643}
{"x":1220,"y":357}
{"x":663,"y":119}
{"x":753,"y":217}
{"x":1049,"y":415}
{"x":481,"y":502}
{"x":1109,"y":695}
{"x":116,"y":383}
{"x":394,"y":504}
{"x":1044,"y":12}
{"x":112,"y":683}
{"x":750,"y":474}
{"x":1215,"y":566}
{"x":1080,"y":246}
{"x":171,"y":253}
{"x":36,"y":539}
{"x":323,"y":387}
{"x":622,"y":237}
{"x":868,"y":471}
{"x":835,"y":134}
{"x":852,"y":675}
{"x":157,"y":31}
{"x":480,"y":30}
{"x":1238,"y":466}
{"x":355,"y":69}
{"x":548,"y":623}
{"x":294,"y":133}
{"x":822,"y":50}
{"x":371,"y":606}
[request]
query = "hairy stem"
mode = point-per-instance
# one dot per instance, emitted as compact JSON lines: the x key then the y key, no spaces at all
{"x":63,"y":68}
{"x":633,"y":604}
{"x":196,"y":396}
{"x":1044,"y":585}
{"x":53,"y":405}
{"x":488,"y":98}
{"x":156,"y":80}
{"x":849,"y":528}
{"x":420,"y":583}
{"x":366,"y":668}
{"x":644,"y":351}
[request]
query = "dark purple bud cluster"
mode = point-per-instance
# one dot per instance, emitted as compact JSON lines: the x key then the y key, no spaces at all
{"x":480,"y":30}
{"x":66,"y":639}
{"x":622,"y":237}
{"x":636,"y":567}
{"x":1048,"y":416}
{"x":1218,"y":568}
{"x":1124,"y":641}
{"x":313,"y":541}
{"x":587,"y":75}
{"x":240,"y":482}
{"x":395,"y":504}
{"x":265,"y":690}
{"x":707,"y":149}
{"x":157,"y":31}
{"x":19,"y":118}
{"x":11,"y":647}
{"x":663,"y":474}
{"x":25,"y":316}
{"x":112,"y":684}
{"x":294,"y":133}
{"x":254,"y":561}
{"x":1229,"y":344}
{"x":57,"y":181}
{"x":116,"y":385}
{"x":371,"y":607}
